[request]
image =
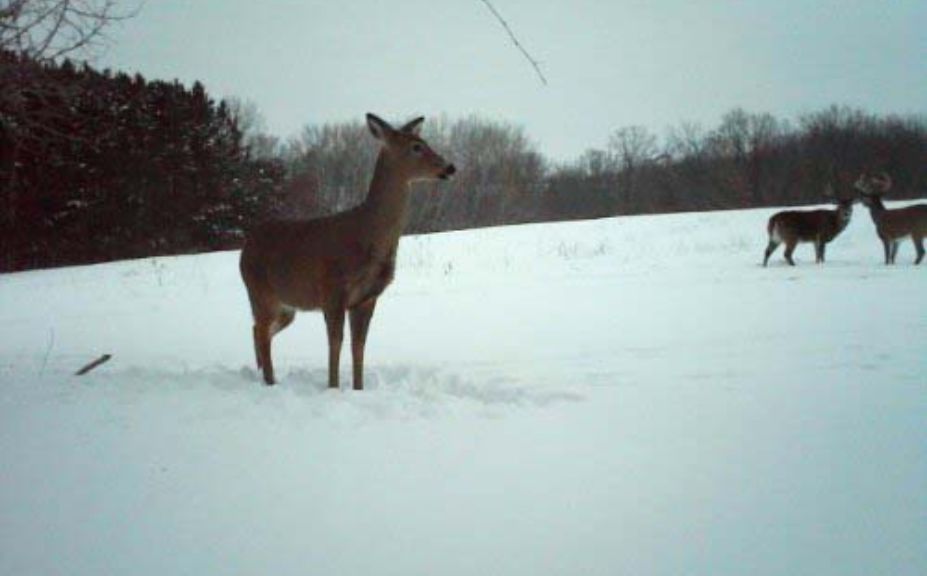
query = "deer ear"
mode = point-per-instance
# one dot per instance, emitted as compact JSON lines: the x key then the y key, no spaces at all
{"x":860,"y":183}
{"x":413,"y":126}
{"x":379,"y":127}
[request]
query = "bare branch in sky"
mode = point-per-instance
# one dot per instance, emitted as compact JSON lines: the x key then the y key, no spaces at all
{"x":531,"y":60}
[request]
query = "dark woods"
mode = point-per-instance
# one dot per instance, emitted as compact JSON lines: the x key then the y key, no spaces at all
{"x":98,"y":166}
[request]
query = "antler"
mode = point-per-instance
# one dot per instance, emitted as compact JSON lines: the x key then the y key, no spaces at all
{"x":883,"y":182}
{"x":874,"y":184}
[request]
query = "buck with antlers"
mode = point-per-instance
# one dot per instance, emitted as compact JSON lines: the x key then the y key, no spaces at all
{"x":893,"y":225}
{"x":792,"y":227}
{"x":342,"y":263}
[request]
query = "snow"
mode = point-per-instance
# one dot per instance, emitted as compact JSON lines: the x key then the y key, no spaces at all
{"x":622,"y":396}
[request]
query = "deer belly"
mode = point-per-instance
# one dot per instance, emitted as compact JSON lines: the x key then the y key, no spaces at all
{"x":800,"y":236}
{"x":296,"y":288}
{"x":893,"y":233}
{"x":300,"y":296}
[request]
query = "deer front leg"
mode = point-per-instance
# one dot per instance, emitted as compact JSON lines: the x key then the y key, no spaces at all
{"x":360,"y":323}
{"x":887,"y":244}
{"x":819,"y":251}
{"x":789,"y":249}
{"x":334,"y":322}
{"x":258,"y":355}
{"x":919,"y":248}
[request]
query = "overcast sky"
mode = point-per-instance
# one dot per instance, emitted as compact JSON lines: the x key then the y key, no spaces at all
{"x":609,"y":63}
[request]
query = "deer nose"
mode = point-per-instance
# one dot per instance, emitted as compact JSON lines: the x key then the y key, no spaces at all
{"x":449,"y":171}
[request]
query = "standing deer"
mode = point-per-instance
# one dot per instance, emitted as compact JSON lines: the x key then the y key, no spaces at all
{"x":341,"y":263}
{"x":894,"y":225}
{"x":818,"y":226}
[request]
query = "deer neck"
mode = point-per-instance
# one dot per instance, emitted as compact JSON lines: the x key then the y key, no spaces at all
{"x":876,"y":207}
{"x":385,"y":210}
{"x":844,"y":214}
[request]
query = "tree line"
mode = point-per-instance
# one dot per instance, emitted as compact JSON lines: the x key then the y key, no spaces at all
{"x":748,"y":160}
{"x":96,"y":166}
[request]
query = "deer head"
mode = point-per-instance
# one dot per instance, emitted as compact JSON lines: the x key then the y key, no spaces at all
{"x":406,"y":150}
{"x":872,"y":186}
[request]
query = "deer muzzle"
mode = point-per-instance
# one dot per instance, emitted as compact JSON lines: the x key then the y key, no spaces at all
{"x":448,"y":171}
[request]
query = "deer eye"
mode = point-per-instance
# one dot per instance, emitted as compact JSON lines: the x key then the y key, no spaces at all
{"x":417,"y":148}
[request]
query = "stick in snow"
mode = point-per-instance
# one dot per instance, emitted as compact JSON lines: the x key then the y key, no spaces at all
{"x":102,"y":359}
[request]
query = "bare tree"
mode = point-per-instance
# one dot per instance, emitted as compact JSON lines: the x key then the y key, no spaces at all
{"x":50,"y":29}
{"x":246,"y":115}
{"x":35,"y":32}
{"x":253,"y":126}
{"x":633,"y":146}
{"x":598,"y":163}
{"x":333,"y":160}
{"x":747,"y":141}
{"x":686,"y":141}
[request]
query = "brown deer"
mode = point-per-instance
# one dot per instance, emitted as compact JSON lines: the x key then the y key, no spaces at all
{"x":342,"y":263}
{"x":893,"y":225}
{"x":817,"y":226}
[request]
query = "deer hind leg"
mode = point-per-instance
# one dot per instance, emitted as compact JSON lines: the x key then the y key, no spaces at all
{"x":284,"y":318}
{"x":360,"y":324}
{"x":262,"y":337}
{"x":266,"y":326}
{"x":770,"y":248}
{"x":819,"y":251}
{"x":334,"y":323}
{"x":264,"y":310}
{"x":789,"y":249}
{"x":919,"y":248}
{"x":887,"y":245}
{"x":262,"y":332}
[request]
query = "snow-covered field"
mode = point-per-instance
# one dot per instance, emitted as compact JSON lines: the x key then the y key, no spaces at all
{"x":623,"y":396}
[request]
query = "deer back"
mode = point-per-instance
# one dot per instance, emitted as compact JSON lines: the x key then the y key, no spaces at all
{"x":806,"y":225}
{"x":902,"y":222}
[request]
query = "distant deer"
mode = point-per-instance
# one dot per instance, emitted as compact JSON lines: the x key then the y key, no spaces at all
{"x":894,"y":225}
{"x":818,"y":226}
{"x":341,"y":263}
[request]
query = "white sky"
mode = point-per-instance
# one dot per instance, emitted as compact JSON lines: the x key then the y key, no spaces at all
{"x":610,"y":63}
